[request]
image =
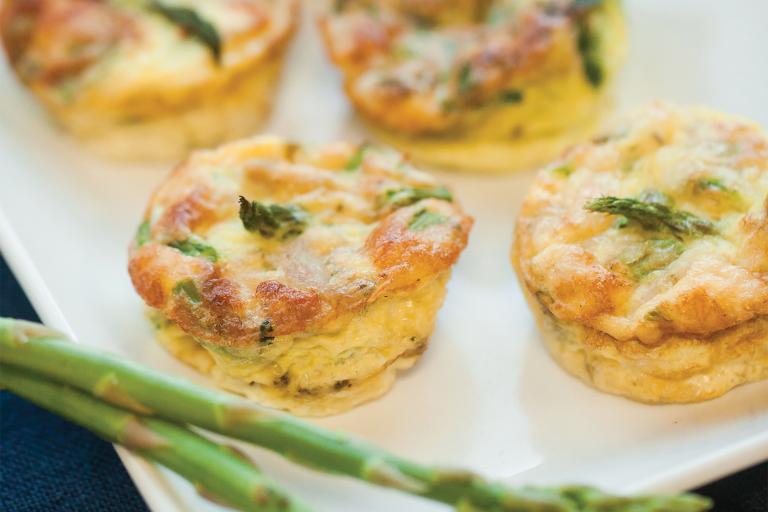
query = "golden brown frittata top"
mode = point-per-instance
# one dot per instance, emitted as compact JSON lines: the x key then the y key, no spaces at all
{"x":158,"y":50}
{"x":264,"y":238}
{"x":660,"y":226}
{"x":435,"y":66}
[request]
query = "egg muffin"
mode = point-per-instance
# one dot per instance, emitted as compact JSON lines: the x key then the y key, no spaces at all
{"x":477,"y":85}
{"x":150,"y":79}
{"x":643,"y":255}
{"x":303,"y":278}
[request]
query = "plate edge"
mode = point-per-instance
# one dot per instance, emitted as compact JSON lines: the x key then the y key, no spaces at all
{"x":41,"y":298}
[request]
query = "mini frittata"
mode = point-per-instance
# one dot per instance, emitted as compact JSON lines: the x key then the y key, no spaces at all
{"x":644,"y":256}
{"x":477,"y":85}
{"x":150,"y":79}
{"x":303,"y":278}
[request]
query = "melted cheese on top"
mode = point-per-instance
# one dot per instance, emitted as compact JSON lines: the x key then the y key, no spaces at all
{"x":629,"y":282}
{"x":460,"y":91}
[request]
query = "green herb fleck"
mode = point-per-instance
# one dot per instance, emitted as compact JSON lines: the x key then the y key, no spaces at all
{"x":465,"y":82}
{"x":424,"y":218}
{"x":657,"y":315}
{"x":273,"y":220}
{"x":585,"y":4}
{"x":564,"y":170}
{"x":716,"y":185}
{"x":422,"y":22}
{"x":628,"y":167}
{"x":409,"y":195}
{"x":265,"y":331}
{"x":356,"y":160}
{"x":340,"y":5}
{"x":725,"y":194}
{"x":159,"y":321}
{"x":588,"y":44}
{"x":404,"y":52}
{"x":652,"y":255}
{"x":448,"y":106}
{"x":67,"y":90}
{"x":188,"y":288}
{"x":653,"y":216}
{"x":192,"y":25}
{"x":511,"y":96}
{"x":500,"y":14}
{"x":143,"y":233}
{"x":711,"y":184}
{"x":195,"y":247}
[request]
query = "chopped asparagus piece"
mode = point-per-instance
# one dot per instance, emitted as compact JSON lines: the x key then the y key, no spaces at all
{"x":408,"y":195}
{"x":195,"y":247}
{"x":652,"y":215}
{"x":424,"y":218}
{"x":192,"y":25}
{"x":273,"y":220}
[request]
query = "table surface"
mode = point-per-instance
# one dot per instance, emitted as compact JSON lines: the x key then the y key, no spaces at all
{"x":51,"y":465}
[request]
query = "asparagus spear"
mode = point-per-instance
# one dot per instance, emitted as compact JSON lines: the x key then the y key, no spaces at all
{"x":216,"y":470}
{"x":129,"y":385}
{"x":653,"y":215}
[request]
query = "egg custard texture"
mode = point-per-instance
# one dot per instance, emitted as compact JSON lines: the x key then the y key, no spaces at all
{"x":302,"y":278}
{"x":477,"y":85}
{"x":644,"y":256}
{"x":150,"y":79}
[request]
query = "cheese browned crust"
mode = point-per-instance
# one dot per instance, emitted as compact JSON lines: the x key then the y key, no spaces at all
{"x":477,"y":85}
{"x":132,"y":84}
{"x":651,"y":314}
{"x":314,"y":322}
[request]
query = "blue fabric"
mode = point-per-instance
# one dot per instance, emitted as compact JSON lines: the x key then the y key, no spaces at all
{"x":49,"y":465}
{"x":46,"y":463}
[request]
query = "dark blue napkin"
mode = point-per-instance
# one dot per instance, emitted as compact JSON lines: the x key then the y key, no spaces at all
{"x":46,"y":463}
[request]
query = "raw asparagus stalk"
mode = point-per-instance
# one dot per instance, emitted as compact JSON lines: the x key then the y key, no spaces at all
{"x":217,"y":471}
{"x":129,"y":385}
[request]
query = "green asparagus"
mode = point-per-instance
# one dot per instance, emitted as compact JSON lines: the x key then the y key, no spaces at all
{"x":191,"y":25}
{"x":653,"y":215}
{"x":272,"y":220}
{"x":129,"y":385}
{"x":217,"y":471}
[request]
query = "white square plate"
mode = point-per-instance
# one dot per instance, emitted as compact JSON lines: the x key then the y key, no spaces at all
{"x":485,"y":395}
